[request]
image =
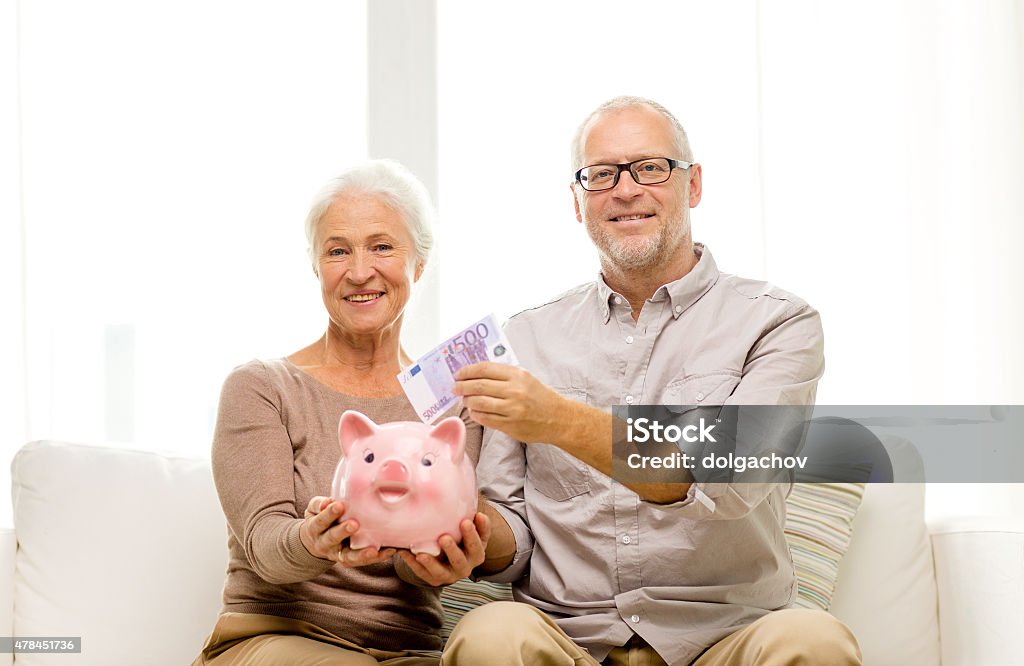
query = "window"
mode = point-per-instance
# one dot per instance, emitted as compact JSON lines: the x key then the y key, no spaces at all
{"x":169,"y":153}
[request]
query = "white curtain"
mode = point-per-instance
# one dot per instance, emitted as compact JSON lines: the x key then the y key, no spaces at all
{"x":894,"y":153}
{"x":867,"y":156}
{"x":13,"y":414}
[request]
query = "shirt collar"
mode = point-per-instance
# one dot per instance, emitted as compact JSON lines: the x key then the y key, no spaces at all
{"x":682,"y":293}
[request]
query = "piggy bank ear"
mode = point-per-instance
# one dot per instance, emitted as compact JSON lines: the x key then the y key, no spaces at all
{"x":451,"y":432}
{"x":353,"y":427}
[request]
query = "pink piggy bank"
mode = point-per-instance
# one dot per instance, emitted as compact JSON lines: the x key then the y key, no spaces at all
{"x":406,"y":483}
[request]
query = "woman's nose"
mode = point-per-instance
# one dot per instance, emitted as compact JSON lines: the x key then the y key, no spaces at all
{"x":361,"y":268}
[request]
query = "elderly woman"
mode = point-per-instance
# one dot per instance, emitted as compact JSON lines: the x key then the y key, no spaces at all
{"x":295,"y":593}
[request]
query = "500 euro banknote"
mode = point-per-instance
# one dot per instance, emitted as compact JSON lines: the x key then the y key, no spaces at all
{"x":429,"y":381}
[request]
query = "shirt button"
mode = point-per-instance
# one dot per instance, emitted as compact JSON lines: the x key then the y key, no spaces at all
{"x":626,"y":540}
{"x":629,"y":339}
{"x":634,"y":618}
{"x":700,"y":396}
{"x":618,"y":301}
{"x":679,"y":308}
{"x":629,"y":400}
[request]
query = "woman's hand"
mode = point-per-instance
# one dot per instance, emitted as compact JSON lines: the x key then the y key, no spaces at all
{"x":454,"y":562}
{"x":325,"y":538}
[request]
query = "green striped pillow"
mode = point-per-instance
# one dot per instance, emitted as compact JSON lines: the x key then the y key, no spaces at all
{"x":464,"y":595}
{"x":819,"y":520}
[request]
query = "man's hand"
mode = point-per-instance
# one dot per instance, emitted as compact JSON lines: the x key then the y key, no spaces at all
{"x":510,"y":399}
{"x":454,"y":563}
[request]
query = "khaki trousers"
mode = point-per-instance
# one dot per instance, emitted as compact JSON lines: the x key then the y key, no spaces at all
{"x":251,"y":639}
{"x":507,"y":633}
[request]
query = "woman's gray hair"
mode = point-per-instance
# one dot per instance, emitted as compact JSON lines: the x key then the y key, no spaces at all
{"x":629,"y":102}
{"x":394,"y":184}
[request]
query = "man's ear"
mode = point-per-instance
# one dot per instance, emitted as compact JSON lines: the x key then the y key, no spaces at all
{"x":575,"y":202}
{"x":695,"y":185}
{"x":420,"y":266}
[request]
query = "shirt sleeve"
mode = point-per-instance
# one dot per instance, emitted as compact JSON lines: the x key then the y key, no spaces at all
{"x":501,"y":476}
{"x":782,"y":368}
{"x":254,"y":474}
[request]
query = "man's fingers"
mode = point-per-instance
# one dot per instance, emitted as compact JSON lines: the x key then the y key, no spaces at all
{"x":437,"y":572}
{"x":486,"y":370}
{"x":485,"y":404}
{"x":493,"y":387}
{"x":416,"y":567}
{"x":489,"y":419}
{"x":473,"y":541}
{"x":483,"y":527}
{"x":456,"y":558}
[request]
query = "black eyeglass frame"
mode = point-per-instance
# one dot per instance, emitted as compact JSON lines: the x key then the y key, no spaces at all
{"x":673,"y":164}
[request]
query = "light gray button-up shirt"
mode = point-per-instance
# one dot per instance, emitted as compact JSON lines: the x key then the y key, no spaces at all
{"x":589,"y":552}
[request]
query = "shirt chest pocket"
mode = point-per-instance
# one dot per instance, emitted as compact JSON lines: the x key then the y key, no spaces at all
{"x":552,"y":471}
{"x":701,"y":389}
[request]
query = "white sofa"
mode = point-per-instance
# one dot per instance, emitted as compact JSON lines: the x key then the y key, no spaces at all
{"x":127,"y":549}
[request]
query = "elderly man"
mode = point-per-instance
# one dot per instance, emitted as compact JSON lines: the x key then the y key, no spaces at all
{"x":651,"y":573}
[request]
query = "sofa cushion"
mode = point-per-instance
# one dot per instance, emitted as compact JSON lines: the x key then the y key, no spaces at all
{"x":819,"y":520}
{"x":886,"y":592}
{"x":126,"y":549}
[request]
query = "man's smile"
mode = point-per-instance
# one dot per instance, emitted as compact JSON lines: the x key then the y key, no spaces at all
{"x":630,"y":218}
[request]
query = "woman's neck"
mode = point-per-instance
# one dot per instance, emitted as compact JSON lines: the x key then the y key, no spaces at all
{"x":357,"y":365}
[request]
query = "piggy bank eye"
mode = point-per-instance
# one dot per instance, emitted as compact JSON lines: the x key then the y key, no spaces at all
{"x":428,"y":460}
{"x":368,"y":456}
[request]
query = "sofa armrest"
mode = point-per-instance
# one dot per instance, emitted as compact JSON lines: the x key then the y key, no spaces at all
{"x":979,"y":569}
{"x":8,"y":546}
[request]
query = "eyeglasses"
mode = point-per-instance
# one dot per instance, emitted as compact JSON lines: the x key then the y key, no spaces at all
{"x":648,"y":171}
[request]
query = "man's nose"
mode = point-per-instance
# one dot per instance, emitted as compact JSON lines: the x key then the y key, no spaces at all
{"x":627,"y":187}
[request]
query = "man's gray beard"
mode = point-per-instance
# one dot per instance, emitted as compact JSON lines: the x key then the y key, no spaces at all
{"x":633,"y":254}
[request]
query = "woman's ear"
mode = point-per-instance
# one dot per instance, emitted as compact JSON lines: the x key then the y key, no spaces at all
{"x":418,"y":273}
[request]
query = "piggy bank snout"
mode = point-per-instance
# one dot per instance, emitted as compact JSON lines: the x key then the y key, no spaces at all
{"x":393,"y":471}
{"x":392,"y":482}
